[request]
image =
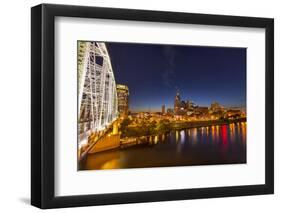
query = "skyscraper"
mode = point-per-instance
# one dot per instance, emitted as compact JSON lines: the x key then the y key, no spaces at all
{"x":123,"y":99}
{"x":177,"y":103}
{"x":163,"y":109}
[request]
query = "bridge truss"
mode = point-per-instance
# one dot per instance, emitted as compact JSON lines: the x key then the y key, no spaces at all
{"x":97,"y":101}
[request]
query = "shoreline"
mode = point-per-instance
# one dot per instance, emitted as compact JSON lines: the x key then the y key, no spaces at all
{"x":132,"y":141}
{"x":197,"y":124}
{"x":148,"y":140}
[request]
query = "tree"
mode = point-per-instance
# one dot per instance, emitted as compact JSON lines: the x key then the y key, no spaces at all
{"x":163,"y":126}
{"x":124,"y":126}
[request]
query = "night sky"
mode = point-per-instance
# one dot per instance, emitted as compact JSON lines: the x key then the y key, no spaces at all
{"x":154,"y":73}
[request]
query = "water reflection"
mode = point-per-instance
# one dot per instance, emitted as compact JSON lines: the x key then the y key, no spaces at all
{"x":182,"y":136}
{"x":177,"y":136}
{"x":224,"y":134}
{"x":196,"y":146}
{"x":163,"y":137}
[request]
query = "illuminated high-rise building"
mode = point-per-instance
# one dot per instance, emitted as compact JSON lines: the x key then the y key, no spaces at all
{"x":177,"y":104}
{"x":163,"y":109}
{"x":123,"y":99}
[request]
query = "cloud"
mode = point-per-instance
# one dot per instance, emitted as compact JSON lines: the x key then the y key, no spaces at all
{"x":170,"y":54}
{"x":168,"y":76}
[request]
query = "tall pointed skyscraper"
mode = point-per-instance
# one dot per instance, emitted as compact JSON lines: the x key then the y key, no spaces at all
{"x":177,"y":103}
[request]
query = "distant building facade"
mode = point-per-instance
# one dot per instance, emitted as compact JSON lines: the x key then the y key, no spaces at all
{"x":123,"y":99}
{"x":182,"y":107}
{"x":177,"y":103}
{"x":214,"y":111}
{"x":200,"y":110}
{"x":170,"y":111}
{"x":216,"y":107}
{"x":163,"y":109}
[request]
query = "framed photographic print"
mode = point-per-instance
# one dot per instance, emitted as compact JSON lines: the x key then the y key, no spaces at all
{"x":140,"y":106}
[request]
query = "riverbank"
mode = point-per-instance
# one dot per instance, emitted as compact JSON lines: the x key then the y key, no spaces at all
{"x":224,"y":144}
{"x":196,"y":124}
{"x":149,"y":139}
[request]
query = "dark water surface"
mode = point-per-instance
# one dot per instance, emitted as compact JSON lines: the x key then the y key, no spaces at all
{"x":225,"y":144}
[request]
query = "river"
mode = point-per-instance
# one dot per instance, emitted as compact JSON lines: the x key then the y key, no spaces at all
{"x":225,"y":144}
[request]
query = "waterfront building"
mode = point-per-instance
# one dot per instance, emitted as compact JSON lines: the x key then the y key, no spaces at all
{"x":123,"y":100}
{"x":217,"y":110}
{"x":200,"y":110}
{"x":216,"y":107}
{"x":234,"y":113}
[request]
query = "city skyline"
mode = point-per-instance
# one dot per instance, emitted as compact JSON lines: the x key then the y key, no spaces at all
{"x":154,"y":73}
{"x":121,"y":87}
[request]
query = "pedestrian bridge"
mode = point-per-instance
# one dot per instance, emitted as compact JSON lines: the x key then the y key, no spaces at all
{"x":97,"y":99}
{"x":102,"y":141}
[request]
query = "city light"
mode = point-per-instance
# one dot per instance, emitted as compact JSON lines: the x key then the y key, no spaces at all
{"x":108,"y":122}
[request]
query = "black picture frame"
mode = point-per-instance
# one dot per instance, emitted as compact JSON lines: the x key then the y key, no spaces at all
{"x":43,"y":102}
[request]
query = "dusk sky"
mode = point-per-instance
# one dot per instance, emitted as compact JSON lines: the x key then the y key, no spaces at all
{"x":153,"y":74}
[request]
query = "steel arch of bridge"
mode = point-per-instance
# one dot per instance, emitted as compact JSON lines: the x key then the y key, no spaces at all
{"x":97,"y":98}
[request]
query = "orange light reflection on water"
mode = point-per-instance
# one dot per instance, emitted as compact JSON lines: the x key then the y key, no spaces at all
{"x":182,"y":133}
{"x":244,"y":131}
{"x":177,"y":136}
{"x":112,"y":164}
